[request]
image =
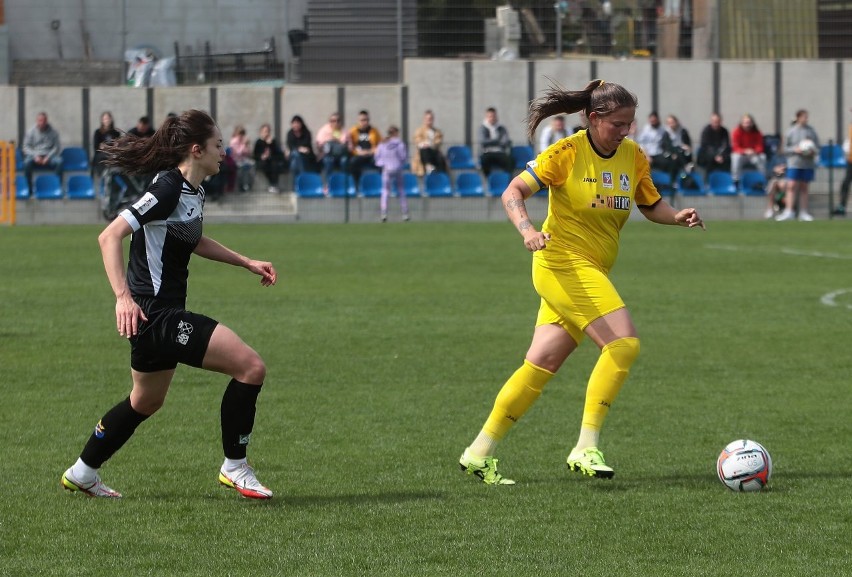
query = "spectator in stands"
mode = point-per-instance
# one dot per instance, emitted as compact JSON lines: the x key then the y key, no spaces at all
{"x":552,"y":133}
{"x":333,"y":145}
{"x":681,"y":143}
{"x":242,"y":154}
{"x":42,"y":148}
{"x":106,"y":132}
{"x":496,"y":147}
{"x":840,"y":209}
{"x":143,"y":128}
{"x":363,"y":140}
{"x":391,"y":157}
{"x":776,"y":186}
{"x":269,"y":157}
{"x":300,"y":146}
{"x":802,"y":148}
{"x":656,"y":144}
{"x":428,"y":139}
{"x":714,"y":149}
{"x":747,"y":147}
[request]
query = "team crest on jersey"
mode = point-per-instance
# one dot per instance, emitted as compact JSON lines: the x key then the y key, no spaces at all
{"x":184,"y":330}
{"x":145,"y":203}
{"x":606,"y":179}
{"x":624,"y":180}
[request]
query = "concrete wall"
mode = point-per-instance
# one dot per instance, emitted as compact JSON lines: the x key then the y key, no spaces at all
{"x":111,"y":24}
{"x":459,"y":91}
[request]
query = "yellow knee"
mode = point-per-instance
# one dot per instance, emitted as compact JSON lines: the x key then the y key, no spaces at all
{"x":623,"y":352}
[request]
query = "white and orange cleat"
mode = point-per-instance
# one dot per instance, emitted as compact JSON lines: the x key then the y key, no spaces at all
{"x":95,"y":488}
{"x":244,"y":481}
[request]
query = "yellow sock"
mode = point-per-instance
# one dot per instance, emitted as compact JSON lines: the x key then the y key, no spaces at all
{"x":609,"y":374}
{"x":516,"y":396}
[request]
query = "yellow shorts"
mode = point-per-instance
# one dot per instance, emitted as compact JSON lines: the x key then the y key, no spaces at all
{"x":573,"y":295}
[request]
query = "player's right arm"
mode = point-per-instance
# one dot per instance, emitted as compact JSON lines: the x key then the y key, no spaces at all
{"x":127,"y":312}
{"x":513,"y":201}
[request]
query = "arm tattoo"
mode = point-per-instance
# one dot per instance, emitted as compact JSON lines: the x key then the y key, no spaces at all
{"x":515,"y":204}
{"x":524,"y":225}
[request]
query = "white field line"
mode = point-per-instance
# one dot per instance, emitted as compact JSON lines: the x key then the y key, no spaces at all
{"x":782,"y":250}
{"x":828,"y":299}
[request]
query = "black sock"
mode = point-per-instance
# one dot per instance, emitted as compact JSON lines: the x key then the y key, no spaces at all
{"x":238,"y":409}
{"x":111,"y":432}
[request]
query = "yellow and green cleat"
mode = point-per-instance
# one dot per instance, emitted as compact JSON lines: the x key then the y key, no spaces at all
{"x":483,"y":467}
{"x":589,"y":461}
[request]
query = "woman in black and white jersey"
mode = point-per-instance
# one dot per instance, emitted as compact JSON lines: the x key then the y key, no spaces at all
{"x":150,"y":310}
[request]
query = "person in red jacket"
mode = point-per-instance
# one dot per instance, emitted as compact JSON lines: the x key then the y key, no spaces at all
{"x":747,"y":147}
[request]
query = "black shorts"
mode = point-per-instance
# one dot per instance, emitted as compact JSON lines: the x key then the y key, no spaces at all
{"x":171,"y":335}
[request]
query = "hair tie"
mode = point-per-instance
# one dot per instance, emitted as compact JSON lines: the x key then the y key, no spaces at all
{"x":602,"y":83}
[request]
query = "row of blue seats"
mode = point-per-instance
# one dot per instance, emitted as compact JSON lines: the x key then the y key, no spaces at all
{"x":435,"y":184}
{"x":74,"y":158}
{"x":719,"y":183}
{"x":48,"y":186}
{"x":460,"y":157}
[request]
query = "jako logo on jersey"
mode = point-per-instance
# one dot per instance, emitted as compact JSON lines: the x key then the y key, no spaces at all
{"x":191,"y":210}
{"x":589,"y":179}
{"x":606,"y":177}
{"x":184,"y":330}
{"x":99,"y":430}
{"x":625,"y":182}
{"x":614,"y":202}
{"x":145,"y":203}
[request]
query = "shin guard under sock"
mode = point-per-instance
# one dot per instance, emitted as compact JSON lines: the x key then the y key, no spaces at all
{"x":516,"y":396}
{"x":238,"y":410}
{"x":111,"y":432}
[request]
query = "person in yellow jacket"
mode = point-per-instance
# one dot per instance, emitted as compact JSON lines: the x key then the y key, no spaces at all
{"x":594,"y":178}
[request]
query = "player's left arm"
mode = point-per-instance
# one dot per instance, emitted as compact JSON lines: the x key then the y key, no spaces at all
{"x":662,"y":212}
{"x":212,"y":250}
{"x":653,"y":206}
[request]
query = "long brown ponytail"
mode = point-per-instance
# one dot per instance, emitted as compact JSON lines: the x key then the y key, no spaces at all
{"x":598,"y":96}
{"x":169,"y":145}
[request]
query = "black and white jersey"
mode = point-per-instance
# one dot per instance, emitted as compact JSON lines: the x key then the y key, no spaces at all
{"x":166,"y":224}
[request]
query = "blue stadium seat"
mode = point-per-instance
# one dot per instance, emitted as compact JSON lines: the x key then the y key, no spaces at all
{"x":832,"y":156}
{"x":438,"y":184}
{"x":410,"y":183}
{"x":469,"y":184}
{"x":309,"y":185}
{"x":460,"y":157}
{"x":370,"y":184}
{"x":22,"y":187}
{"x":341,"y":185}
{"x":753,"y":183}
{"x":691,"y":184}
{"x":522,"y":154}
{"x":74,"y":158}
{"x":498,"y":181}
{"x":663,"y":182}
{"x":80,"y":186}
{"x":48,"y":187}
{"x":721,"y":183}
{"x":19,"y":160}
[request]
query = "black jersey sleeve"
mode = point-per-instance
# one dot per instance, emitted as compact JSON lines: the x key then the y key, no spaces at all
{"x":158,"y":202}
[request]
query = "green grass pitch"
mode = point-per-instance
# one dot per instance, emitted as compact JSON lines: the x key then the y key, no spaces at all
{"x":385,"y":346}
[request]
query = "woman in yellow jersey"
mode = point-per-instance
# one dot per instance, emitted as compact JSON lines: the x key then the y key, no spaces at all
{"x":594,"y":178}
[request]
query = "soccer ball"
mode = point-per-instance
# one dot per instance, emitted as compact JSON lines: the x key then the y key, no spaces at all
{"x":807,"y":147}
{"x":744,"y":465}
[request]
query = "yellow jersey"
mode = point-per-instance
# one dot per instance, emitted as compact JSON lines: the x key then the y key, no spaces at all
{"x":590,"y":197}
